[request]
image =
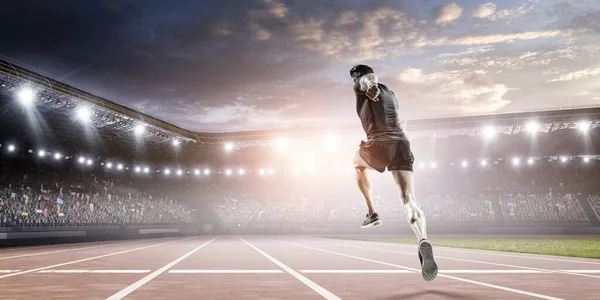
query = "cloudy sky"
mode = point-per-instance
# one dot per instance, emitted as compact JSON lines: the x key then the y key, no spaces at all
{"x":257,"y":64}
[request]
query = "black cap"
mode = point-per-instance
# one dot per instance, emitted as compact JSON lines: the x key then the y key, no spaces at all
{"x":360,"y":70}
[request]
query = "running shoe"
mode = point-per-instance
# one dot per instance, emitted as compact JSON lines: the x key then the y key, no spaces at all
{"x":371,"y":221}
{"x":429,"y":268}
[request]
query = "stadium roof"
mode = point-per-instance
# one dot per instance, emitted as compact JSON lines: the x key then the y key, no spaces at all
{"x":61,"y":98}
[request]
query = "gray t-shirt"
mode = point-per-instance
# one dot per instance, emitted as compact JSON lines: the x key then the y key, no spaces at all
{"x":380,"y":119}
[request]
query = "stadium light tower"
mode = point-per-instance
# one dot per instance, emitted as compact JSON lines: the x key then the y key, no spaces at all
{"x":41,"y":153}
{"x":228,"y":147}
{"x":26,"y":96}
{"x":83,"y":114}
{"x":11,"y":148}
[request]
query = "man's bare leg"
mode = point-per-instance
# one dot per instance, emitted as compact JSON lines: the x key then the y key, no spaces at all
{"x":364,"y":184}
{"x":414,"y":214}
{"x":416,"y":219}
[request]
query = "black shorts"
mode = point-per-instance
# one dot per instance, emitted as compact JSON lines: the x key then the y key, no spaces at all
{"x":393,"y":155}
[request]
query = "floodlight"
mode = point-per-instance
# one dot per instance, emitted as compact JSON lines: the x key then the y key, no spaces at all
{"x":530,"y":161}
{"x":90,"y":162}
{"x":564,"y":159}
{"x":585,"y":126}
{"x":489,"y":132}
{"x":176,"y":143}
{"x":228,"y":146}
{"x":261,"y":172}
{"x":228,"y":172}
{"x":26,"y":96}
{"x":271,"y":171}
{"x":120,"y":167}
{"x":83,"y":114}
{"x":241,"y":171}
{"x":146,"y":170}
{"x":586,"y":159}
{"x":167,"y":171}
{"x":464,"y":163}
{"x":41,"y":153}
{"x":281,"y":144}
{"x":109,"y":165}
{"x":206,"y":171}
{"x":516,"y":161}
{"x":139,"y":129}
{"x":57,"y":156}
{"x":11,"y":148}
{"x":179,"y":172}
{"x":433,"y":165}
{"x":533,"y":127}
{"x":138,"y":169}
{"x":196,"y":172}
{"x":484,"y":162}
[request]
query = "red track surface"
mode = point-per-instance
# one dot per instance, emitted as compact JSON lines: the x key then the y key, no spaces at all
{"x":283,"y":267}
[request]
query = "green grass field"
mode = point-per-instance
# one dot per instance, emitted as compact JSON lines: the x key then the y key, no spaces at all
{"x":588,"y":247}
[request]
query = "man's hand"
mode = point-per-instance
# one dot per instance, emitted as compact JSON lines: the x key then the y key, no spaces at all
{"x":373,"y":93}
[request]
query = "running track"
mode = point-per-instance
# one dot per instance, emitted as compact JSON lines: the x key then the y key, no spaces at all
{"x":284,"y":267}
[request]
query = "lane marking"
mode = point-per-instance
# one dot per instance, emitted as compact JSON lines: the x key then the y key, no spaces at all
{"x":90,"y":258}
{"x":128,"y":290}
{"x":226,"y":271}
{"x":356,"y":271}
{"x":492,"y":272}
{"x":583,"y":271}
{"x":97,"y":271}
{"x":60,"y":251}
{"x":439,"y":275}
{"x":315,"y":287}
{"x":9,"y":271}
{"x":491,"y":252}
{"x":475,"y":261}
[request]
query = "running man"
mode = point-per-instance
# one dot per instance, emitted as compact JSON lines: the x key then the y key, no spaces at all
{"x":387,"y":147}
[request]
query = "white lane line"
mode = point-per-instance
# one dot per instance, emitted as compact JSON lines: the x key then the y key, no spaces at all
{"x":473,"y":261}
{"x":492,"y":252}
{"x":315,"y":287}
{"x":583,"y":271}
{"x":89,"y":258}
{"x":128,"y":290}
{"x":439,"y":275}
{"x":60,"y":251}
{"x":226,"y":271}
{"x":97,"y":271}
{"x":492,"y":272}
{"x":356,"y":271}
{"x":9,"y":271}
